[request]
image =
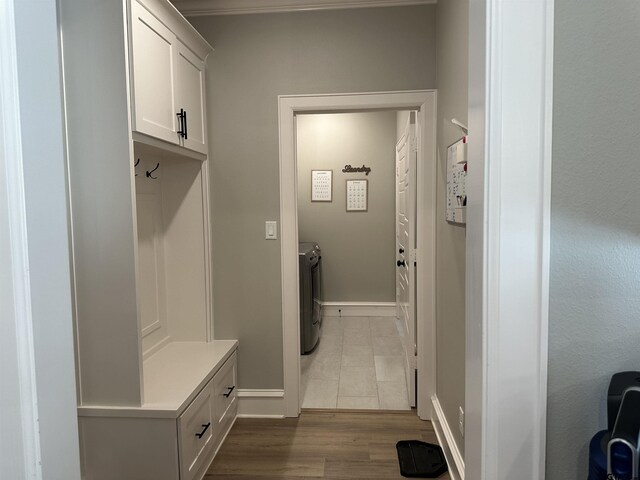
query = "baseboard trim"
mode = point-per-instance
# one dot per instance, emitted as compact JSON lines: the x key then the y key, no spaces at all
{"x":265,"y":403}
{"x":455,"y":460}
{"x":359,"y":309}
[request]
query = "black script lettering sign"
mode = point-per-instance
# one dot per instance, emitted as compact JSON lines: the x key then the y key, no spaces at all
{"x":350,"y":169}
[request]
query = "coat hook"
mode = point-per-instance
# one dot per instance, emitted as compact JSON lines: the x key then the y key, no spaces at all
{"x":149,"y":173}
{"x":135,"y":165}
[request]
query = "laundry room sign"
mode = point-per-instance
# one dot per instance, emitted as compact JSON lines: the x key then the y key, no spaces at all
{"x":350,"y":169}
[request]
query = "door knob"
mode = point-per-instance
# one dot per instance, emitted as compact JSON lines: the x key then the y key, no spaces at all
{"x":401,"y":263}
{"x":401,"y":251}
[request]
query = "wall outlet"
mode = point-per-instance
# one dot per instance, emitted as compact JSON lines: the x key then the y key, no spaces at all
{"x":461,"y":421}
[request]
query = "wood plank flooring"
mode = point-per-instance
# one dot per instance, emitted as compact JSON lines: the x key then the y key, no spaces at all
{"x":332,"y":445}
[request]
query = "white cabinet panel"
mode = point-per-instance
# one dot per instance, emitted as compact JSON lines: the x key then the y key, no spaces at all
{"x":153,"y":76}
{"x":189,"y":71}
{"x":126,"y":448}
{"x":151,"y":292}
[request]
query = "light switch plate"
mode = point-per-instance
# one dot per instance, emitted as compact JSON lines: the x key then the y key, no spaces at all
{"x":271,"y":230}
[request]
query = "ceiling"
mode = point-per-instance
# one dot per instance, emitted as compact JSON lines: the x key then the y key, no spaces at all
{"x":235,"y":7}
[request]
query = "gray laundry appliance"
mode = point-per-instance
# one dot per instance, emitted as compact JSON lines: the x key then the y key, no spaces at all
{"x":310,"y":295}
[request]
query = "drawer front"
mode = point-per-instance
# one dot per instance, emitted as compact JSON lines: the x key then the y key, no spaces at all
{"x":197,"y":427}
{"x":224,"y":387}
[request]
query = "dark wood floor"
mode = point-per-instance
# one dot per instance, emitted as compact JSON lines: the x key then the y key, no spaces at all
{"x":333,"y":445}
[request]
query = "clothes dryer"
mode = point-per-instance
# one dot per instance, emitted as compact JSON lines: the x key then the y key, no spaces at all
{"x":310,"y":295}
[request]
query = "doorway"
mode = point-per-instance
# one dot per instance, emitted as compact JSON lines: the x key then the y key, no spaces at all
{"x":423,"y":103}
{"x":356,"y":219}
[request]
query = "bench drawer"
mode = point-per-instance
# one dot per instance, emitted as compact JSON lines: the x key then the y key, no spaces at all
{"x":224,"y":387}
{"x":197,"y":427}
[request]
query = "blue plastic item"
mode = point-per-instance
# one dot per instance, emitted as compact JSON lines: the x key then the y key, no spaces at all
{"x":617,"y":450}
{"x":598,"y":455}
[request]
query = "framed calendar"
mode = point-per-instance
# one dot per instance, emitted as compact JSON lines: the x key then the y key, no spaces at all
{"x":321,"y":185}
{"x":357,"y":195}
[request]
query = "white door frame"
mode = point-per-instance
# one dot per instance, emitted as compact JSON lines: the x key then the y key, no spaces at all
{"x":20,"y":457}
{"x":38,"y":409}
{"x":507,"y":259}
{"x":424,"y":101}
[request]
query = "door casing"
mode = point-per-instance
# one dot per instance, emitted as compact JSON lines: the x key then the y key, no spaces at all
{"x":423,"y":101}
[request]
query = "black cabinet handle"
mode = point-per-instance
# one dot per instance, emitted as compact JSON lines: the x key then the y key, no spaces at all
{"x":229,"y":392}
{"x":401,"y":251}
{"x":185,"y":124}
{"x":401,"y":263}
{"x":182,"y":116}
{"x":206,"y":427}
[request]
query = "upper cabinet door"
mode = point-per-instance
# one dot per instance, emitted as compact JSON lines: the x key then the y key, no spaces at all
{"x":190,"y":97}
{"x":153,"y":76}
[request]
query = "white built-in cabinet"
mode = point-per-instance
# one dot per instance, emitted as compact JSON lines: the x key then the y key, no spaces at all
{"x":168,"y":79}
{"x":156,"y":390}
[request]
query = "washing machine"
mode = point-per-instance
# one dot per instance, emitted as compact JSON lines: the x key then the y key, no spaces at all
{"x":310,"y":295}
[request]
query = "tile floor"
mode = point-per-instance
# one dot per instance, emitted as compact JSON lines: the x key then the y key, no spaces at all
{"x":358,"y":364}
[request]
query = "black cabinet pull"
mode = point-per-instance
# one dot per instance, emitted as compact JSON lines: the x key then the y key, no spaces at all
{"x":206,"y":427}
{"x":401,"y":251}
{"x":185,"y":129}
{"x":401,"y":263}
{"x":182,"y":116}
{"x":229,"y":392}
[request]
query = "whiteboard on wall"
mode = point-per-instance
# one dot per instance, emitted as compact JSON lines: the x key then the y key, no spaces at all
{"x":457,"y":182}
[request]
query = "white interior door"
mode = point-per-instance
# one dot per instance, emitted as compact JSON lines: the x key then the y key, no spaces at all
{"x":406,"y":155}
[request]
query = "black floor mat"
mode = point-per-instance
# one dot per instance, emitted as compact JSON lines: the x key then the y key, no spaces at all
{"x":420,"y":459}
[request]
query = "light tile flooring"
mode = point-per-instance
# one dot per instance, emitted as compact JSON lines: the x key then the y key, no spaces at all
{"x":358,"y":364}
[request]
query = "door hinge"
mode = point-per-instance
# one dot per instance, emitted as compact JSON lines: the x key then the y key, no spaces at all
{"x":414,"y":257}
{"x":415,"y":350}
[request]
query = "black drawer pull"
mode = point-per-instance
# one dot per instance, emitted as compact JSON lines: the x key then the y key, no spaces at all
{"x":229,"y":392}
{"x":206,"y":427}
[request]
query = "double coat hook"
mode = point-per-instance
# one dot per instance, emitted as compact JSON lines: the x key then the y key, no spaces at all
{"x":147,"y":173}
{"x":150,"y":172}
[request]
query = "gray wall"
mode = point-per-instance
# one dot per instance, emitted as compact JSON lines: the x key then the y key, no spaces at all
{"x":358,"y":248}
{"x":594,"y":325}
{"x":452,"y":60}
{"x":257,"y":58}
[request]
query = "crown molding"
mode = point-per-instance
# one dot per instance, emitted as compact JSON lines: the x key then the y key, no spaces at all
{"x":193,"y":8}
